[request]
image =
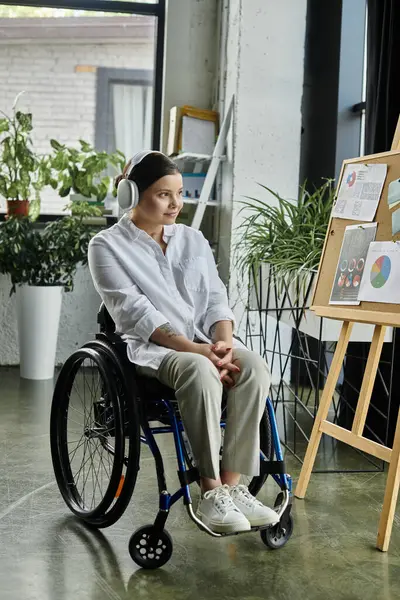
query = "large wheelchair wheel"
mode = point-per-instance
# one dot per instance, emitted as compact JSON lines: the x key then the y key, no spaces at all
{"x":266,"y":453}
{"x":94,"y":434}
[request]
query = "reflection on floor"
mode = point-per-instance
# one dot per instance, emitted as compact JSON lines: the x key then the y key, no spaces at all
{"x":47,"y":555}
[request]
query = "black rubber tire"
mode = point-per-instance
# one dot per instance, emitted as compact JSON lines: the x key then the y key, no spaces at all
{"x":59,"y":436}
{"x":277,"y":536}
{"x":153,"y":555}
{"x":122,"y":372}
{"x":114,"y":386}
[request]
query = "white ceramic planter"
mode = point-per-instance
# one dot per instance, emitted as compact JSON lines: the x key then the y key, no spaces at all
{"x":310,"y":323}
{"x":38,"y":312}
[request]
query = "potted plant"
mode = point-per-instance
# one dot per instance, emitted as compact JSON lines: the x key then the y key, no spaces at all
{"x":23,"y":173}
{"x":280,"y":245}
{"x":82,"y":173}
{"x":41,"y":263}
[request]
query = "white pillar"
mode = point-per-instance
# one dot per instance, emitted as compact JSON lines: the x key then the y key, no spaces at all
{"x":264,"y":54}
{"x":190,"y":55}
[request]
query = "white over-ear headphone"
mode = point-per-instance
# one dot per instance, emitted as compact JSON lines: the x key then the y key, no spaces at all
{"x":128,"y":191}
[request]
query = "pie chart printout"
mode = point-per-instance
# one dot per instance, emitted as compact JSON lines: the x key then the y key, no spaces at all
{"x":380,"y":271}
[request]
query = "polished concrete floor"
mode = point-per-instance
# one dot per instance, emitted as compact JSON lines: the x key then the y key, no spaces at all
{"x":47,"y":555}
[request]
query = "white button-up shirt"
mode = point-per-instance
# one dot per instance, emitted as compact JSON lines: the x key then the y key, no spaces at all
{"x":143,"y":288}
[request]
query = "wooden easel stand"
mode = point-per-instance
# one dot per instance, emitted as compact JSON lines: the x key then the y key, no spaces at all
{"x":354,"y":437}
{"x":379,"y":316}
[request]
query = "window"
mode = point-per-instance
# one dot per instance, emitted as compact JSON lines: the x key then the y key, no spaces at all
{"x":87,"y":74}
{"x":16,"y":9}
{"x":351,"y":93}
{"x":124,"y":110}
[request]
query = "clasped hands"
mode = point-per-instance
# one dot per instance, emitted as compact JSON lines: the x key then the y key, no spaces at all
{"x":221,"y":355}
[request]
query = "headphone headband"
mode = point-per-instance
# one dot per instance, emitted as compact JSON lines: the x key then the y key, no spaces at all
{"x":137,"y":158}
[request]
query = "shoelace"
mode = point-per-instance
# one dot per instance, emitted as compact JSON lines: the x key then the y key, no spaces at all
{"x":243,"y":490}
{"x":222,"y":496}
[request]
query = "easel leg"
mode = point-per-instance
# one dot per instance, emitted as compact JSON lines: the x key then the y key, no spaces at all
{"x":322,"y":413}
{"x":368,"y":382}
{"x":391,"y":493}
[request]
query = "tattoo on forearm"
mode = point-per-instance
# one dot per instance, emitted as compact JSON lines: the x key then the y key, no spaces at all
{"x":168,"y":330}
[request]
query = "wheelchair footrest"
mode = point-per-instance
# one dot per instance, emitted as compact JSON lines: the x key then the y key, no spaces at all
{"x":252,"y":530}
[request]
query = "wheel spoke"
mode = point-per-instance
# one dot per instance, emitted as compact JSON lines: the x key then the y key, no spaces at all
{"x":93,"y":450}
{"x":85,"y":479}
{"x":102,"y":459}
{"x":97,"y":483}
{"x":77,"y":448}
{"x":78,"y":411}
{"x":84,"y":463}
{"x":95,"y":479}
{"x":78,"y":394}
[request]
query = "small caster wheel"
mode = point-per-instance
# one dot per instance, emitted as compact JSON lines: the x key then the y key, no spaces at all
{"x":150,"y":549}
{"x":276,"y":537}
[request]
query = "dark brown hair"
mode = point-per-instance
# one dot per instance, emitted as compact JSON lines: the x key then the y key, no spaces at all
{"x":149,"y":170}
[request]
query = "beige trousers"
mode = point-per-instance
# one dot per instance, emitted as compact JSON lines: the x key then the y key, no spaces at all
{"x":198,"y":391}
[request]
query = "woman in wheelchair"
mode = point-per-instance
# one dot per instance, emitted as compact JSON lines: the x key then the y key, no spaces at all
{"x":160,"y":284}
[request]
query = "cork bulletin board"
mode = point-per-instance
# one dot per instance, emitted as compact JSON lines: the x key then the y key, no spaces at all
{"x":366,"y":312}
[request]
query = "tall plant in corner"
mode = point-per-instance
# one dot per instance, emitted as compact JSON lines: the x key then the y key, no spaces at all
{"x":285,"y":234}
{"x":23,"y":173}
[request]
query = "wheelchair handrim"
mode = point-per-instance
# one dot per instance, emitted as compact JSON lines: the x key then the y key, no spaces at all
{"x":59,"y":438}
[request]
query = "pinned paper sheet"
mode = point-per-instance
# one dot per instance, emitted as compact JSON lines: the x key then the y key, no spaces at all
{"x":394,"y":194}
{"x":381,"y":281}
{"x":394,"y":205}
{"x":360,"y":191}
{"x":350,"y":268}
{"x":396,"y":222}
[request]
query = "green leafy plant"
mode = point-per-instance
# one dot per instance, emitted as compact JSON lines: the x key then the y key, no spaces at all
{"x":82,"y":171}
{"x":49,"y":257}
{"x":23,"y":173}
{"x":289,"y":235}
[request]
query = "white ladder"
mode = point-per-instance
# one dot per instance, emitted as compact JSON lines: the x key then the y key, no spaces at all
{"x":216,"y":159}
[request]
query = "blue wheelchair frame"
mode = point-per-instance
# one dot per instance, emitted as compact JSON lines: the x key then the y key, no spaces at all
{"x":188,"y":476}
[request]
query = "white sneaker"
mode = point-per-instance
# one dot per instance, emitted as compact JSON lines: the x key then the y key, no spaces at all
{"x":255,"y":512}
{"x":219,"y":513}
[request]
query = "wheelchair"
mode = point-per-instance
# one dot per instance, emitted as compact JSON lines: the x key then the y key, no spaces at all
{"x":102,"y":412}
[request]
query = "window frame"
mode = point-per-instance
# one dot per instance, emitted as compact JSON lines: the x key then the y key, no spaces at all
{"x":133,"y":8}
{"x":118,"y":6}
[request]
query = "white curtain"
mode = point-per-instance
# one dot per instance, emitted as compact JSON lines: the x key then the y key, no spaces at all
{"x":133,"y":115}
